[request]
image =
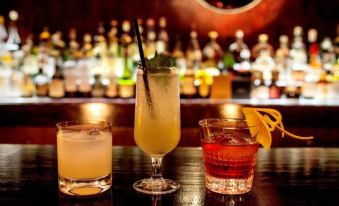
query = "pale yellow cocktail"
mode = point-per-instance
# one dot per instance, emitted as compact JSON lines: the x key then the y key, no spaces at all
{"x":157,"y":128}
{"x":84,"y":157}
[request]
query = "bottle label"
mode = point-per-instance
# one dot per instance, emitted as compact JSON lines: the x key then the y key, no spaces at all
{"x":188,"y":87}
{"x":56,"y":88}
{"x":84,"y":87}
{"x":70,"y":85}
{"x":274,"y":93}
{"x":126,"y":91}
{"x":111,"y":91}
{"x":42,"y":90}
{"x":204,"y":90}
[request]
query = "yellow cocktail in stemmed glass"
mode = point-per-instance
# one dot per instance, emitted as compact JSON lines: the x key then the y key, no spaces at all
{"x":157,"y":115}
{"x":157,"y":123}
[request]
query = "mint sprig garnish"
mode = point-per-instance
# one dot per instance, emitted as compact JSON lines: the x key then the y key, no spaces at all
{"x":160,"y":60}
{"x":160,"y":63}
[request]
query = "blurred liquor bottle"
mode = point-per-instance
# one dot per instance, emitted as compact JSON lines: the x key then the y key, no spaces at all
{"x":58,"y":46}
{"x":193,"y":58}
{"x":292,"y":92}
{"x":263,"y":53}
{"x":133,"y":48}
{"x":259,"y":89}
{"x":334,"y":88}
{"x":16,"y":79}
{"x":14,"y":40}
{"x":187,"y":87}
{"x":73,"y":45}
{"x":101,"y":52}
{"x":336,"y":45}
{"x":98,"y":88}
{"x":114,"y":56}
{"x":41,"y":83}
{"x":113,"y":47}
{"x":240,"y":52}
{"x":282,"y":58}
{"x":163,"y":39}
{"x":71,"y":75}
{"x":203,"y":82}
{"x":45,"y":58}
{"x":87,"y":48}
{"x":179,"y":56}
{"x":181,"y":65}
{"x":322,"y":86}
{"x":313,"y":49}
{"x":313,"y":72}
{"x":240,"y":67}
{"x":274,"y":90}
{"x":298,"y":52}
{"x":150,"y":38}
{"x":327,"y":55}
{"x":298,"y":55}
{"x":213,"y":53}
{"x":3,"y":32}
{"x":100,"y":43}
{"x":30,"y":63}
{"x":193,"y":52}
{"x":125,"y":82}
{"x":56,"y":86}
{"x":111,"y":90}
{"x":125,"y":38}
{"x":85,"y":67}
{"x":201,"y":85}
{"x":262,"y":47}
{"x":28,"y":87}
{"x":72,"y":57}
{"x":84,"y":76}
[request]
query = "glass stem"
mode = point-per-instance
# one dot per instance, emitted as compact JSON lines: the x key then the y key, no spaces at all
{"x":156,"y":165}
{"x":156,"y":200}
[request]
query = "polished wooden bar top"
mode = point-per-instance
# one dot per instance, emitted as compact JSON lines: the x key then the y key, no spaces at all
{"x":284,"y":176}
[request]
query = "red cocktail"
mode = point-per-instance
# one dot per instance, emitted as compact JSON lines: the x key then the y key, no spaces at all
{"x":229,"y":155}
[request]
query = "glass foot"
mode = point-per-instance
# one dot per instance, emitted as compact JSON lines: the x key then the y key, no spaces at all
{"x":83,"y":187}
{"x":156,"y":186}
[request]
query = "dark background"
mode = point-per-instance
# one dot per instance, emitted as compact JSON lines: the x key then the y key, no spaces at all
{"x":274,"y":17}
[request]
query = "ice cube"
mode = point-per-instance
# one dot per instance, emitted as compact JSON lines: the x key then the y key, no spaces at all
{"x":234,"y":137}
{"x":226,"y":139}
{"x":94,"y":132}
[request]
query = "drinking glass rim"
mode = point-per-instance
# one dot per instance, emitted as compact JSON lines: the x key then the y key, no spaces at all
{"x":159,"y":70}
{"x":209,"y":122}
{"x":100,"y":123}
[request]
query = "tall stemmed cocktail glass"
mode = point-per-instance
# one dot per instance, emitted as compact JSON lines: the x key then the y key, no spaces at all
{"x":157,"y":123}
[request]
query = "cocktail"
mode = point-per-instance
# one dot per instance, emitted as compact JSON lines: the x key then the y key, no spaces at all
{"x":157,"y":123}
{"x":229,"y":155}
{"x":230,"y":147}
{"x":84,"y":152}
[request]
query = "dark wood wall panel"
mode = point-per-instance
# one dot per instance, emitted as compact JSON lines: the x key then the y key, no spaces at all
{"x":270,"y":16}
{"x":35,"y":122}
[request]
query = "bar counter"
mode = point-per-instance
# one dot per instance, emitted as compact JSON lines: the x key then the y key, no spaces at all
{"x":284,"y":176}
{"x":32,"y":120}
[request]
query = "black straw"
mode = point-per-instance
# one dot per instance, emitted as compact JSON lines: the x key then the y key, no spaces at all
{"x":141,"y":51}
{"x":143,"y":63}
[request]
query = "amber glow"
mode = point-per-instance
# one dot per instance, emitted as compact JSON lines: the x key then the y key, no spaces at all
{"x":231,"y":111}
{"x":95,"y":111}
